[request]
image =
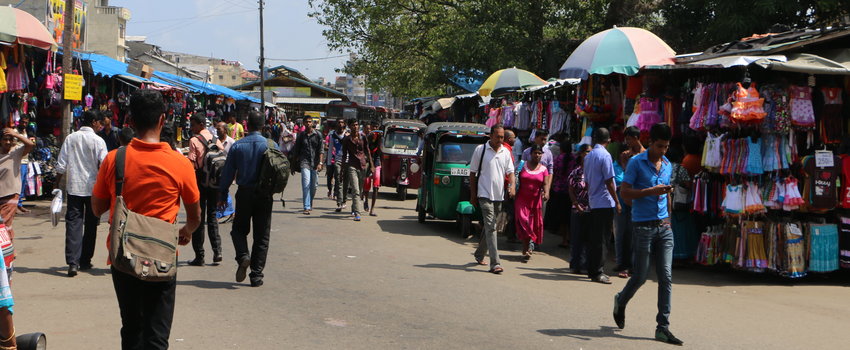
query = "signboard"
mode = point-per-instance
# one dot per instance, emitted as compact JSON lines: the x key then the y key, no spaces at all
{"x":55,"y":21}
{"x":73,"y":87}
{"x":292,"y":91}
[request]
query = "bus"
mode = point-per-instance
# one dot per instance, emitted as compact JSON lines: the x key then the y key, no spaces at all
{"x":351,"y":110}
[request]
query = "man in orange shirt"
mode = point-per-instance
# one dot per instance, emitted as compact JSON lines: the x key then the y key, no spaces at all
{"x":155,"y":180}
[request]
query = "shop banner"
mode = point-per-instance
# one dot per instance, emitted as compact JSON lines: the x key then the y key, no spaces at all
{"x":73,"y":87}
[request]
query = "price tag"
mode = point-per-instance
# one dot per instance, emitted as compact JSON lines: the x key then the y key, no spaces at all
{"x":824,"y":159}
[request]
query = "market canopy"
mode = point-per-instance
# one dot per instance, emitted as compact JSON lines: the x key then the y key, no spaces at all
{"x":509,"y":80}
{"x":618,"y":50}
{"x":204,"y":88}
{"x":805,"y":63}
{"x":17,"y":26}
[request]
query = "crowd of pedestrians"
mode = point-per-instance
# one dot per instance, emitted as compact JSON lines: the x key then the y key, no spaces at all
{"x":592,"y":196}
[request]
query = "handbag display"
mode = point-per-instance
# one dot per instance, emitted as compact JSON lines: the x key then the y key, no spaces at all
{"x":140,"y":246}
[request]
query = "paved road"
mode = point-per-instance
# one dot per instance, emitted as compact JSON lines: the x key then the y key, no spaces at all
{"x":391,"y":283}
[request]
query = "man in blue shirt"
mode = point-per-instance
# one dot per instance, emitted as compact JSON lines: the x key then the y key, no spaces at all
{"x":243,"y":163}
{"x":647,"y":184}
{"x":602,"y":195}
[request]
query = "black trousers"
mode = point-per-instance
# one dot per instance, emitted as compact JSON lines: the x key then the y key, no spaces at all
{"x":209,"y":198}
{"x":80,"y":231}
{"x":147,"y":309}
{"x":596,"y":235}
{"x":251,"y":208}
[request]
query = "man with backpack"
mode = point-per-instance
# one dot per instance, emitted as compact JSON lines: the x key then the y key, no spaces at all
{"x":207,"y":155}
{"x":308,"y":151}
{"x":245,"y":164}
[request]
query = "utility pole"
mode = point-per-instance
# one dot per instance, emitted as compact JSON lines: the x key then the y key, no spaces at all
{"x":262,"y":65}
{"x":67,"y":62}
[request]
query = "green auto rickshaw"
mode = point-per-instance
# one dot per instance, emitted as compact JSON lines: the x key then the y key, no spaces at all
{"x":446,"y":154}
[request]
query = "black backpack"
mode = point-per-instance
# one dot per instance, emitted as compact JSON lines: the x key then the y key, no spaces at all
{"x":274,"y":171}
{"x":212,"y":163}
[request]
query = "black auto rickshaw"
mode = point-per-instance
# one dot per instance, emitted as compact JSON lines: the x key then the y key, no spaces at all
{"x":447,"y":152}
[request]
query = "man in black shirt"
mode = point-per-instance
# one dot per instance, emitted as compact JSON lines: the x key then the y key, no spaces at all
{"x":309,"y":150}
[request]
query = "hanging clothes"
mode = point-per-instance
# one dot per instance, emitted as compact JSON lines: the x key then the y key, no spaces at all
{"x":802,"y":112}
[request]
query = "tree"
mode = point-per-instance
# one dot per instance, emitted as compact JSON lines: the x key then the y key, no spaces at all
{"x":414,"y":47}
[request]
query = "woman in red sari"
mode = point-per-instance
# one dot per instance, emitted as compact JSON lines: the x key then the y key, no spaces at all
{"x":534,"y":184}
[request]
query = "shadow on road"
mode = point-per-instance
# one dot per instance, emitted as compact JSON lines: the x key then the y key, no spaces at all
{"x":559,"y":274}
{"x":210,"y":284}
{"x":407,"y":225}
{"x":466,"y":267}
{"x":590,"y":334}
{"x":58,"y":271}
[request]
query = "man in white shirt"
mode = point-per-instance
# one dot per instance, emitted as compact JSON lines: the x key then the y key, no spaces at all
{"x":79,"y":162}
{"x":490,"y":164}
{"x":226,"y":140}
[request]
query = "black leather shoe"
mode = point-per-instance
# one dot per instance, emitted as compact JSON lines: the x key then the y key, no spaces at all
{"x":242,"y":269}
{"x":85,"y":267}
{"x":256,"y":283}
{"x":619,"y":312}
{"x":664,"y":335}
{"x":217,"y":258}
{"x":199,"y":261}
{"x":72,"y":270}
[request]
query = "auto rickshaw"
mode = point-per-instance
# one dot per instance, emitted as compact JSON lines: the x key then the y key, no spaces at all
{"x":400,"y":164}
{"x":447,"y":152}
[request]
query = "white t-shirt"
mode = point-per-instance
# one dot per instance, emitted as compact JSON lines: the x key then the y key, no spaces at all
{"x":491,"y":176}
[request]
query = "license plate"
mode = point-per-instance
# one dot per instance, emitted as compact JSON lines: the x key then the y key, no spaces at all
{"x":460,"y":171}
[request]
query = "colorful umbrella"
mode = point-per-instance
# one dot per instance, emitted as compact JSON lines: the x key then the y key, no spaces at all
{"x":21,"y":27}
{"x":617,"y":50}
{"x":509,"y":80}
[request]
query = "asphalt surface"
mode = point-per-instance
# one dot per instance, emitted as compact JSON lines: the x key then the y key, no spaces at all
{"x":389,"y":282}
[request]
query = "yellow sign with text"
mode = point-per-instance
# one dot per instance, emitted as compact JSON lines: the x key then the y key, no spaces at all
{"x":73,"y":87}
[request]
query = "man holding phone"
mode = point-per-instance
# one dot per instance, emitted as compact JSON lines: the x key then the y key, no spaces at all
{"x":647,"y":183}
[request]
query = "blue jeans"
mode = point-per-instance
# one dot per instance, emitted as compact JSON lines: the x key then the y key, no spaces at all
{"x":578,"y":257}
{"x":24,"y":173}
{"x":654,"y":242}
{"x":309,"y":185}
{"x":624,"y":239}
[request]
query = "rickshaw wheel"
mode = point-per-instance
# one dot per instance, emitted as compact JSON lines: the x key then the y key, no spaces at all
{"x":402,"y":192}
{"x":465,"y":226}
{"x":420,"y":214}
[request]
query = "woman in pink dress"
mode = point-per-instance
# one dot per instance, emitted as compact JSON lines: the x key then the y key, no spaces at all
{"x":534,"y":184}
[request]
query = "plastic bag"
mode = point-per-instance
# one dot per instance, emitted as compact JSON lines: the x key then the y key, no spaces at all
{"x":56,"y":207}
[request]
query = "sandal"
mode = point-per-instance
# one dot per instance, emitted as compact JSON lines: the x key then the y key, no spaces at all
{"x":497,"y":270}
{"x":624,"y":274}
{"x":306,"y":212}
{"x":480,"y":261}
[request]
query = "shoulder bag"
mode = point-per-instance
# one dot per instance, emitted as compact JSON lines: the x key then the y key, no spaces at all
{"x":140,"y":246}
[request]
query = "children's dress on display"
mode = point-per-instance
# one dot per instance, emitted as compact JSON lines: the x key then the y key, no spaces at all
{"x":648,"y":113}
{"x":823,"y":248}
{"x":733,"y":203}
{"x":831,"y":121}
{"x":802,"y":112}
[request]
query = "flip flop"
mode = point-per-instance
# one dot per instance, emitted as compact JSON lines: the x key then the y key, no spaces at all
{"x":497,"y":270}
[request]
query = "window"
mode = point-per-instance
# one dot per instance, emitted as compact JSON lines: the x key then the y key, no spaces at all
{"x":122,"y":30}
{"x":233,"y":77}
{"x":220,"y":77}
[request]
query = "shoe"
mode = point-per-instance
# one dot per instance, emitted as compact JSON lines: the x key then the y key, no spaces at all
{"x":356,"y":217}
{"x":72,"y":270}
{"x":338,"y":209}
{"x":601,"y":278}
{"x":497,"y":269}
{"x":619,"y":312}
{"x":85,"y":267}
{"x":199,"y":261}
{"x":663,"y":335}
{"x":256,"y":283}
{"x":241,"y":271}
{"x":217,"y":258}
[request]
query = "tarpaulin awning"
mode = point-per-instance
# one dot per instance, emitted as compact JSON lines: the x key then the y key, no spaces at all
{"x":204,"y":88}
{"x":805,"y":63}
{"x":108,"y":67}
{"x":305,"y":100}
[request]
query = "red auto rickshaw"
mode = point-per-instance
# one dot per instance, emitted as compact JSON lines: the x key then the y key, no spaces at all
{"x":400,"y":164}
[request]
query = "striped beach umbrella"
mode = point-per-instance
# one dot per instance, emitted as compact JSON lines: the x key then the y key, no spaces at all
{"x":506,"y":81}
{"x":617,"y":50}
{"x":17,"y":26}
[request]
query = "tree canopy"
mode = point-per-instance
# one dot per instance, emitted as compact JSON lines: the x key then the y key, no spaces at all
{"x":413,"y":47}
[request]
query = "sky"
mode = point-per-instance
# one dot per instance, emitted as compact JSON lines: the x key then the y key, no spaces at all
{"x":229,"y":29}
